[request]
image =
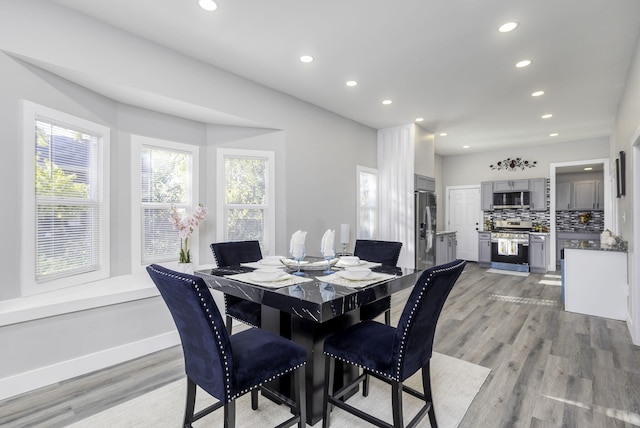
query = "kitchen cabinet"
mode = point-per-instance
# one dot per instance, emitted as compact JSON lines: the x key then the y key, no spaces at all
{"x":446,"y":246}
{"x":486,"y":195}
{"x":511,"y":186}
{"x":580,"y":195}
{"x":563,"y":196}
{"x":586,"y":195}
{"x":538,"y":194}
{"x":599,"y":195}
{"x":422,"y":182}
{"x":484,"y":249}
{"x":538,"y":253}
{"x":562,"y":237}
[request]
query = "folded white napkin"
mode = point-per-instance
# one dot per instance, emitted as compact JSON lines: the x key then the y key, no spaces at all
{"x":296,"y":247}
{"x":327,"y":247}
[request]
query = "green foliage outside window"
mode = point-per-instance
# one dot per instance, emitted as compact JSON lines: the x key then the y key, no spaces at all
{"x":245,"y":197}
{"x":66,"y":217}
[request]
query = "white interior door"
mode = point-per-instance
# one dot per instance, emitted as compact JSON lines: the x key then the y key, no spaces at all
{"x":464,"y":217}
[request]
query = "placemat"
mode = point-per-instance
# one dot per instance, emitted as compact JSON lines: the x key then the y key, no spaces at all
{"x":338,"y":280}
{"x":291,"y":280}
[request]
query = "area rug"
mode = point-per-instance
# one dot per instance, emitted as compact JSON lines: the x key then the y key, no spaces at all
{"x":508,"y":272}
{"x":455,"y":384}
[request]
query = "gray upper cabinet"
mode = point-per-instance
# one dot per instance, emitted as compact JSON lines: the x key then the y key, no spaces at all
{"x":486,"y":195}
{"x":563,"y":196}
{"x":587,"y":195}
{"x":600,"y":195}
{"x":424,"y":183}
{"x":511,"y":186}
{"x":538,"y":195}
{"x":580,"y":191}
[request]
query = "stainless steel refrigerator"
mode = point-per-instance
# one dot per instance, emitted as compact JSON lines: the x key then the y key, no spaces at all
{"x":425,"y":206}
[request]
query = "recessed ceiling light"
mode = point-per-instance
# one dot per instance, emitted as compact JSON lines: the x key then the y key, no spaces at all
{"x":547,"y":116}
{"x":508,"y":26}
{"x":420,"y":119}
{"x":208,"y":5}
{"x":387,"y":102}
{"x":465,"y":147}
{"x":443,"y":134}
{"x":523,"y":63}
{"x":352,"y":83}
{"x":588,"y":168}
{"x":553,"y":134}
{"x":537,"y":93}
{"x":306,"y":58}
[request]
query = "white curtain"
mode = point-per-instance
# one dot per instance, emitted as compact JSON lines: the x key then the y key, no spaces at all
{"x":395,"y":190}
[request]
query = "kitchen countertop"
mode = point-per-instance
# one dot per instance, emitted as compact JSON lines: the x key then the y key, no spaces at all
{"x":524,"y":231}
{"x":445,"y":232}
{"x":588,"y":232}
{"x":582,"y":244}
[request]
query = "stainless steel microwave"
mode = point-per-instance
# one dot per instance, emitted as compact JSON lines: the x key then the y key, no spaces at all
{"x":511,"y":200}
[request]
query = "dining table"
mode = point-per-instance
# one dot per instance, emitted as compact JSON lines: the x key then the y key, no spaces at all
{"x":309,"y":308}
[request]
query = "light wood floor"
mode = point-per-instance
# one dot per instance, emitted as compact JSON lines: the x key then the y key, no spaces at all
{"x":549,"y":368}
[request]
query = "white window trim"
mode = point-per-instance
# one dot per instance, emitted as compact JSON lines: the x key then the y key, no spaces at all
{"x":29,"y":284}
{"x":270,"y":218}
{"x":360,"y":169}
{"x":137,"y":141}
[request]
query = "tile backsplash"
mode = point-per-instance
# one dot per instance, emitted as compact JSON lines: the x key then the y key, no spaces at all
{"x":566,"y":221}
{"x":569,"y":221}
{"x":537,"y":217}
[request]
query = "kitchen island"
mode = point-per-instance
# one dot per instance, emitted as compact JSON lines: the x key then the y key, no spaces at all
{"x":595,"y":279}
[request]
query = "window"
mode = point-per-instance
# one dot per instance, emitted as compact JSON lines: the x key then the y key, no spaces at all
{"x":165,"y":174}
{"x":246,"y":197}
{"x":367,"y":202}
{"x":66,"y":231}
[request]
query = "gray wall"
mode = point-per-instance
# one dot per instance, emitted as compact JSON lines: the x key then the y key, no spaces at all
{"x":175,"y":97}
{"x":474,"y":168}
{"x":626,"y":137}
{"x":626,"y":133}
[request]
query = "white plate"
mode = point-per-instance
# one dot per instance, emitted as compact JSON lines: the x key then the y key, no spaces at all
{"x":271,"y":261}
{"x":276,"y":276}
{"x":350,"y":260}
{"x":345,"y":265}
{"x":356,"y":275}
{"x":307,"y":265}
{"x":291,"y":262}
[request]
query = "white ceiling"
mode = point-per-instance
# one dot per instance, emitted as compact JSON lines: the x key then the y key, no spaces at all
{"x":442,"y":60}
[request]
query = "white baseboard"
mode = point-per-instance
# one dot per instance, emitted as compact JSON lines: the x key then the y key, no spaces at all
{"x":44,"y":376}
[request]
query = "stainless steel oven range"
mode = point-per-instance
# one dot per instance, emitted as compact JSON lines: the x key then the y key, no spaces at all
{"x":510,"y":245}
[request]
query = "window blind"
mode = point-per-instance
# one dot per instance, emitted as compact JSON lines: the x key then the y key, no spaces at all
{"x":245,"y":198}
{"x":68,"y":197}
{"x":165,"y":180}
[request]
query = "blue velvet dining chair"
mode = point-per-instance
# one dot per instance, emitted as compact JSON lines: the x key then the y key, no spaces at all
{"x":232,"y":254}
{"x":393,"y":354}
{"x":387,"y":253}
{"x":226,"y":366}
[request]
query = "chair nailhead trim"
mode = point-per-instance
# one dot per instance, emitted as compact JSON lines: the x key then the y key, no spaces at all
{"x":197,"y":289}
{"x":244,"y":321}
{"x":387,"y":375}
{"x":238,"y":394}
{"x":396,"y":376}
{"x":230,"y":397}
